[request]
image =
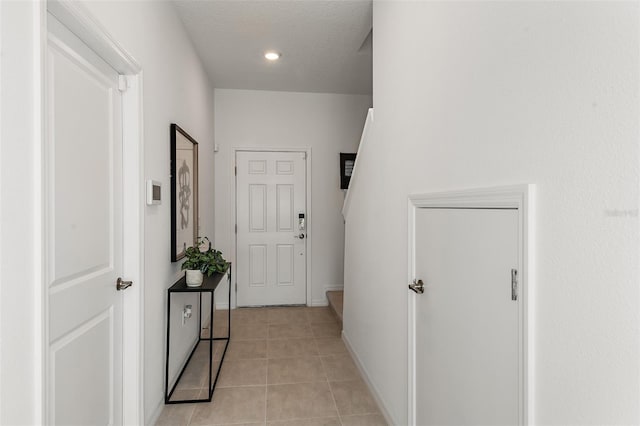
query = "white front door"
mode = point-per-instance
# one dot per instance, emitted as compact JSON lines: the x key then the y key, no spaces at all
{"x":467,"y":340}
{"x":84,"y":234}
{"x":271,"y":239}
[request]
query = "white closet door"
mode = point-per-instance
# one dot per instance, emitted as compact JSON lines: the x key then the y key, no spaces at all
{"x":84,"y":234}
{"x":466,"y":324}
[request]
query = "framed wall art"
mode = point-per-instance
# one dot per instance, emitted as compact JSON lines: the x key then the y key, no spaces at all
{"x":184,"y":192}
{"x":347,"y":161}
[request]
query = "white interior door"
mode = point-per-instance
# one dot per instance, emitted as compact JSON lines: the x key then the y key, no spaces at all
{"x":84,"y":234}
{"x":270,"y":241}
{"x":467,"y":340}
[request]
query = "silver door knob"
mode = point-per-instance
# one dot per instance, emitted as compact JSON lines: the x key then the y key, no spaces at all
{"x":301,"y":236}
{"x":417,"y":286}
{"x":123,"y":285}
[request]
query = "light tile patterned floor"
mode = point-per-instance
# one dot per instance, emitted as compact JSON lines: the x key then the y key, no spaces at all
{"x":284,"y":366}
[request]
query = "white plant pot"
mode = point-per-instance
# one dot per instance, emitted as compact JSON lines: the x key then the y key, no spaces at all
{"x":194,"y":278}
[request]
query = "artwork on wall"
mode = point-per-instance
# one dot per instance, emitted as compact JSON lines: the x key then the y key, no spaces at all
{"x":347,"y":161}
{"x":184,"y":192}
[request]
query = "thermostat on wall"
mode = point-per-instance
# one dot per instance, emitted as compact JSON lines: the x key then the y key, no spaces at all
{"x":154,"y":192}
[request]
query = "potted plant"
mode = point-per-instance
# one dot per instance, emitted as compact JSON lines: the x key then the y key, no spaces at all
{"x":201,"y":262}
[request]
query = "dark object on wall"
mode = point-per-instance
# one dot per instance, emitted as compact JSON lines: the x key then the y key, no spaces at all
{"x":184,"y":192}
{"x":347,"y":162}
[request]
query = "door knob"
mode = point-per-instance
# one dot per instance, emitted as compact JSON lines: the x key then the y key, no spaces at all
{"x":301,"y":236}
{"x":123,"y":285}
{"x":417,"y":286}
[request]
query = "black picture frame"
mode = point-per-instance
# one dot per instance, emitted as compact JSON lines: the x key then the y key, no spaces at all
{"x":347,"y":161}
{"x":184,"y":192}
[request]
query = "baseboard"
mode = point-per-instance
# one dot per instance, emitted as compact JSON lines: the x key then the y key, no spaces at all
{"x":333,"y":288}
{"x":365,"y":376}
{"x":155,"y":415}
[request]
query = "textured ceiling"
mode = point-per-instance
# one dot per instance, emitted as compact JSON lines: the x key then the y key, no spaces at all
{"x":325,"y":45}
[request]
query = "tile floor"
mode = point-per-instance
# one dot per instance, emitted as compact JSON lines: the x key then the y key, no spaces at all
{"x":284,"y":366}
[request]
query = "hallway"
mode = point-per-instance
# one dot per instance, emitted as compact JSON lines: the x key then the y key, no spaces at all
{"x":467,"y":96}
{"x":284,"y":366}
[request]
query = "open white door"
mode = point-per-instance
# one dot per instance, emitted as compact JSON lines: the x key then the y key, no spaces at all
{"x":271,"y":228}
{"x":84,"y":210}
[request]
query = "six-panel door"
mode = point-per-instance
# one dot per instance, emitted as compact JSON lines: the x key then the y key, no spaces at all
{"x":271,"y":242}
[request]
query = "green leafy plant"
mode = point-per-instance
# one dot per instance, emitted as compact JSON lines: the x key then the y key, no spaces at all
{"x":209,"y":261}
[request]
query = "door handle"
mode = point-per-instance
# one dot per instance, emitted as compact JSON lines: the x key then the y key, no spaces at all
{"x":417,"y":286}
{"x":301,"y":236}
{"x":123,"y":285}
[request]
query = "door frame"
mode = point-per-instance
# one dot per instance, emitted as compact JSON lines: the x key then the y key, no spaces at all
{"x":521,"y":198}
{"x":75,"y":17}
{"x":234,"y":193}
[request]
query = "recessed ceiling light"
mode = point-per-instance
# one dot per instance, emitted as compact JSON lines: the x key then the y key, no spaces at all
{"x":272,"y":56}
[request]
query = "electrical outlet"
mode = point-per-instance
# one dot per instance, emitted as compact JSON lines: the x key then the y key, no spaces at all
{"x":186,"y":313}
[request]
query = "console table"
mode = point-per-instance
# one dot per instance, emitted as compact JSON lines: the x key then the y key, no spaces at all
{"x":209,"y":285}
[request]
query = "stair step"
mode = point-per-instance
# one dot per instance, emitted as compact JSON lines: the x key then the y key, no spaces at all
{"x":336,"y":298}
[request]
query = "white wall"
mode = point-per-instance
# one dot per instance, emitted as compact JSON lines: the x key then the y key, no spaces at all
{"x":328,"y":124}
{"x":176,"y":90}
{"x":20,"y":244}
{"x":475,"y":94}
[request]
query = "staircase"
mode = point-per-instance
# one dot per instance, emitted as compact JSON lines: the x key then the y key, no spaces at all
{"x":335,"y":303}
